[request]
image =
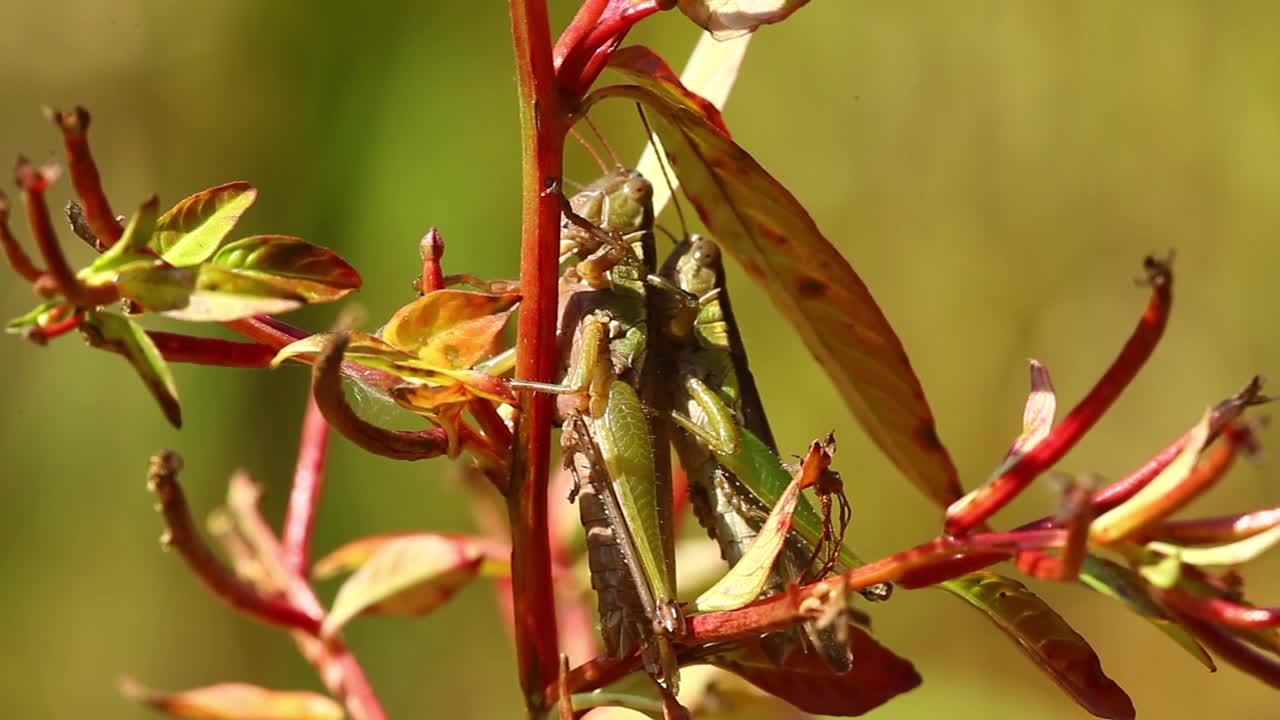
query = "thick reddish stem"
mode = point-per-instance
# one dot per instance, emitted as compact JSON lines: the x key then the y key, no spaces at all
{"x":13,"y":252}
{"x":1076,"y":515}
{"x":177,"y":347}
{"x":183,"y":537}
{"x":974,"y":509}
{"x":42,"y":335}
{"x":85,"y":178}
{"x":1222,"y":529}
{"x":60,"y":278}
{"x":1219,"y":611}
{"x":308,"y":482}
{"x":542,"y":147}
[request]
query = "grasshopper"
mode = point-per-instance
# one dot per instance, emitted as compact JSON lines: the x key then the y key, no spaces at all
{"x":619,"y":453}
{"x":728,"y":450}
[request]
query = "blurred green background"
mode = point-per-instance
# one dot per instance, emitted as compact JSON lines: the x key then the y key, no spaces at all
{"x":996,"y":171}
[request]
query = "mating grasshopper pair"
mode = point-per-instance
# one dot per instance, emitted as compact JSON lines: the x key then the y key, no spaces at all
{"x":646,"y":350}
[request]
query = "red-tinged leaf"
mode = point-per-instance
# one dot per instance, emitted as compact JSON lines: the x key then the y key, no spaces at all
{"x":236,"y":701}
{"x":220,"y":295}
{"x":641,"y":62}
{"x":1045,"y":638}
{"x":746,"y":579}
{"x":767,"y":229}
{"x":1142,"y":508}
{"x":805,"y":681}
{"x":452,"y":329}
{"x":293,"y":264}
{"x":429,"y":398}
{"x":121,"y":335}
{"x":483,"y":385}
{"x":726,"y":19}
{"x":407,"y":576}
{"x":362,"y":347}
{"x":193,"y":229}
{"x":1236,"y":553}
{"x":349,"y":557}
{"x":1124,"y":585}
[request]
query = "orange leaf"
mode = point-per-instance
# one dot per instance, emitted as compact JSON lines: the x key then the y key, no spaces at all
{"x":451,"y":329}
{"x":236,"y":701}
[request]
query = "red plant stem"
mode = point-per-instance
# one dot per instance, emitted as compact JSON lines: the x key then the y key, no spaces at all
{"x":308,"y":482}
{"x":338,"y":668}
{"x":177,"y":347}
{"x":42,"y":335}
{"x":1222,"y":529}
{"x":60,"y":277}
{"x":183,"y":537}
{"x":13,"y":252}
{"x":968,"y":513}
{"x":1219,"y":611}
{"x":582,"y":63}
{"x":267,"y":330}
{"x":1076,"y":515}
{"x":542,"y":132}
{"x":1234,"y":650}
{"x":84,"y":175}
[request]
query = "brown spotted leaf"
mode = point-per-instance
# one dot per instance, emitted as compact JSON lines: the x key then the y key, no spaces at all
{"x":411,"y":575}
{"x":236,"y":701}
{"x":805,"y":681}
{"x":771,"y":234}
{"x":450,"y":328}
{"x":316,"y":273}
{"x":1046,"y":638}
{"x":193,"y":229}
{"x":726,"y":19}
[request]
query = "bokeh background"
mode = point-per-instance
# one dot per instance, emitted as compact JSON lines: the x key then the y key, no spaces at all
{"x":995,"y":171}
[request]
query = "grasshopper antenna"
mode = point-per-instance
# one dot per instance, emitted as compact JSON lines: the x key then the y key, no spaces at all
{"x":604,"y":169}
{"x":613,"y":155}
{"x":662,"y":165}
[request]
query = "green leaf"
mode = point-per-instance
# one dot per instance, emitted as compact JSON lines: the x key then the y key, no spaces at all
{"x":1235,"y":553}
{"x":406,"y":576}
{"x":746,"y":579}
{"x":292,"y":264}
{"x":35,"y":318}
{"x":158,"y":288}
{"x":1163,"y":571}
{"x":805,"y":681}
{"x":450,"y":329}
{"x":778,"y":243}
{"x":122,"y":335}
{"x":220,"y":295}
{"x":1139,"y":510}
{"x":1122,"y":584}
{"x":129,"y":251}
{"x":193,"y":229}
{"x":1046,"y":639}
{"x":236,"y":701}
{"x":726,"y":19}
{"x":353,"y":555}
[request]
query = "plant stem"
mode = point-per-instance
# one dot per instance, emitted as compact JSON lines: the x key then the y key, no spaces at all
{"x":308,"y":482}
{"x":542,"y":133}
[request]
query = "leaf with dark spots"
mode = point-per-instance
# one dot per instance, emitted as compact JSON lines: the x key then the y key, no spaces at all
{"x":810,"y":282}
{"x":805,"y":681}
{"x":411,"y":575}
{"x":121,"y":335}
{"x":193,"y":229}
{"x":450,"y":328}
{"x":291,"y":264}
{"x":1046,"y":639}
{"x":236,"y":701}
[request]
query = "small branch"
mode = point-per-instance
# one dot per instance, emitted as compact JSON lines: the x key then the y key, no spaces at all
{"x":581,"y":64}
{"x":177,"y":347}
{"x":1219,"y":611}
{"x":1203,"y":531}
{"x":326,"y":385}
{"x":13,"y":252}
{"x":60,"y":279}
{"x":583,"y":22}
{"x":431,"y":248}
{"x":1076,"y":515}
{"x":967,"y":514}
{"x":41,"y":335}
{"x":308,"y":482}
{"x":495,"y":428}
{"x":84,"y":175}
{"x":1234,"y":650}
{"x":183,"y":537}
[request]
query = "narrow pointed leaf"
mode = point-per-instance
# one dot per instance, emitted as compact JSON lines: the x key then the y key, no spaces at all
{"x":1119,"y":522}
{"x":190,"y":232}
{"x":1046,"y":639}
{"x":771,"y":234}
{"x":316,"y":273}
{"x":1236,"y":553}
{"x":746,"y":579}
{"x":450,"y":328}
{"x":407,"y":576}
{"x":1122,"y":584}
{"x":37,"y":317}
{"x":353,"y":555}
{"x":361,"y":347}
{"x":726,"y":19}
{"x":220,"y":295}
{"x":119,"y":334}
{"x":805,"y":681}
{"x":236,"y":701}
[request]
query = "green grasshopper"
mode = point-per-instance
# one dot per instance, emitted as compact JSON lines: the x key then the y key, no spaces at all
{"x":618,"y":452}
{"x":728,"y":450}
